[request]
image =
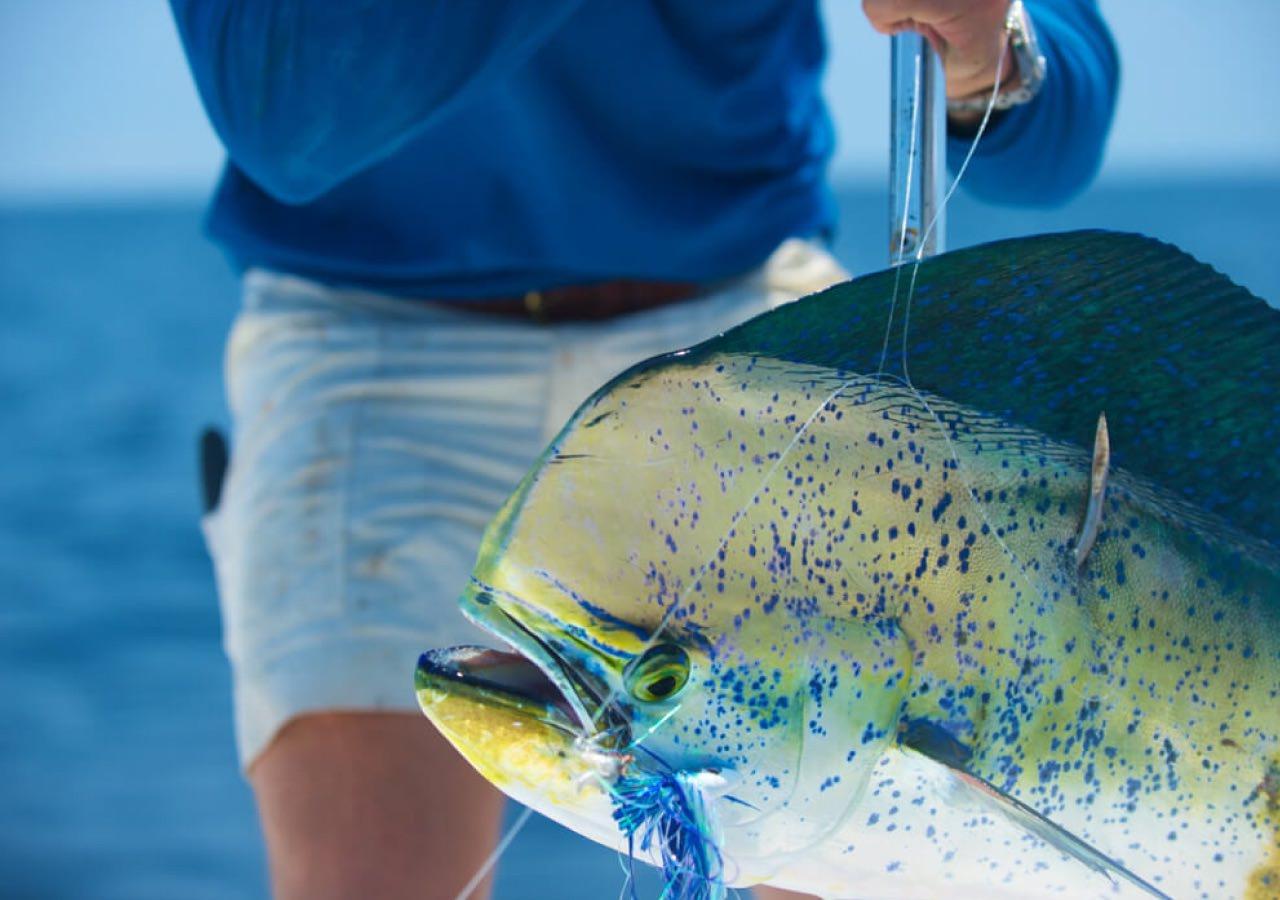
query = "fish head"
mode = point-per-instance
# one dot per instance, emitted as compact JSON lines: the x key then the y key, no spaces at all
{"x":644,"y":593}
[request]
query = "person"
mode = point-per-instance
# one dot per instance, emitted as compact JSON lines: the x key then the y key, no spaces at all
{"x":454,"y":220}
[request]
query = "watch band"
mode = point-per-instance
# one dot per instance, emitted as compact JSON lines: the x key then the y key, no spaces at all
{"x":1031,"y":67}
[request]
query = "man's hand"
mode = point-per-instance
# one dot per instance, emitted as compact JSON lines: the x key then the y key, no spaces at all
{"x":968,"y":36}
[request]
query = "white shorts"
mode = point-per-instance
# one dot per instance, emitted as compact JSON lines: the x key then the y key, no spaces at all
{"x":373,"y":438}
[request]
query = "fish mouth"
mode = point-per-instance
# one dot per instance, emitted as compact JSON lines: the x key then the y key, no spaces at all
{"x":536,"y":680}
{"x":496,"y":678}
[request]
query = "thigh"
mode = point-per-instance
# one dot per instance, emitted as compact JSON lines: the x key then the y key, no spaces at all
{"x":372,"y":805}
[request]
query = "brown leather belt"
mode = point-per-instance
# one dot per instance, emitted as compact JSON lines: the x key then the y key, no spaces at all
{"x":582,"y":302}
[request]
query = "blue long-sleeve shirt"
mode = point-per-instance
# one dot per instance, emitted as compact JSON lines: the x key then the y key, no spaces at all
{"x":445,"y":149}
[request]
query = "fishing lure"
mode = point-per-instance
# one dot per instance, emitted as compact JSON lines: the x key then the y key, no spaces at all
{"x":668,"y":815}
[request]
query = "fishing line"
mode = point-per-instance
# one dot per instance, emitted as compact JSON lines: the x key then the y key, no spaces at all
{"x":654,"y":727}
{"x":915,"y":269}
{"x":906,"y":205}
{"x":1018,"y":566}
{"x":946,"y":199}
{"x":492,"y":859}
{"x":921,"y":244}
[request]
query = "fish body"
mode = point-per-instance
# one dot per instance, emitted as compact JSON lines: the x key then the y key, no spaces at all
{"x":853,"y":606}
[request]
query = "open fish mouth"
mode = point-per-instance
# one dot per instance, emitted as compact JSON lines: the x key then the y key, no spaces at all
{"x":496,"y":678}
{"x":534,"y":681}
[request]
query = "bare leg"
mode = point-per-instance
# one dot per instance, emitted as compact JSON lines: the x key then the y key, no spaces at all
{"x":772,"y":893}
{"x":372,"y":805}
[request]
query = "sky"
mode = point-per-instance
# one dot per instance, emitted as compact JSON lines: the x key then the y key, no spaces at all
{"x":96,"y":101}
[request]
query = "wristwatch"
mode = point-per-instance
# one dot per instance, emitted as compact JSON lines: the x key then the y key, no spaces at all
{"x":1031,"y":67}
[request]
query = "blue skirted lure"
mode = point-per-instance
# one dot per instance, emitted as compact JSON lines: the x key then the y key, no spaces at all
{"x":668,"y":812}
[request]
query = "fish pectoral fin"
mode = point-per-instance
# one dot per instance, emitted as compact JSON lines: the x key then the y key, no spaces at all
{"x":935,"y":742}
{"x":1097,"y":491}
{"x":1055,"y":835}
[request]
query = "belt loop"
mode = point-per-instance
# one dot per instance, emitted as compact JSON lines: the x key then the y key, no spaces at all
{"x":534,"y":306}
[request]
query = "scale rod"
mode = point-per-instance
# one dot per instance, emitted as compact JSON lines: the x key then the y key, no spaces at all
{"x":917,"y":149}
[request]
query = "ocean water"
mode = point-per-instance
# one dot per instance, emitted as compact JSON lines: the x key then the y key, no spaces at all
{"x":119,"y":776}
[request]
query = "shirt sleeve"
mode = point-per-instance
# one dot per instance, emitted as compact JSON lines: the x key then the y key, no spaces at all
{"x":306,"y":93}
{"x":1045,"y":152}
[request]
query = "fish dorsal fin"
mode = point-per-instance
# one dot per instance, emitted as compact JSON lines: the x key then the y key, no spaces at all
{"x":1097,"y":490}
{"x":1046,"y":331}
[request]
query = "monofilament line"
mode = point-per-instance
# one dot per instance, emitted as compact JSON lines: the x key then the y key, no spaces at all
{"x":492,"y":860}
{"x":946,"y":199}
{"x":901,"y":237}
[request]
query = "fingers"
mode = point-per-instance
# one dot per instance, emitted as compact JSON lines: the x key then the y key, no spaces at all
{"x":894,"y":16}
{"x":968,"y":35}
{"x":882,"y":16}
{"x":961,"y":17}
{"x":885,"y":16}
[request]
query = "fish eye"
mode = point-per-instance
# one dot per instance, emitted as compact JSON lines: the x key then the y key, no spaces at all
{"x":657,"y":674}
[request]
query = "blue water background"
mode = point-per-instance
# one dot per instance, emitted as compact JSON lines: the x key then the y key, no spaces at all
{"x":119,"y":778}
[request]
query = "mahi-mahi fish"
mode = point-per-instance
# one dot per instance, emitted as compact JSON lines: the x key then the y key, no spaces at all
{"x":1008,"y":625}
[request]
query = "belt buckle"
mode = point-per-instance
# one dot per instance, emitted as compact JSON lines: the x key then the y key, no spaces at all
{"x":535,"y":306}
